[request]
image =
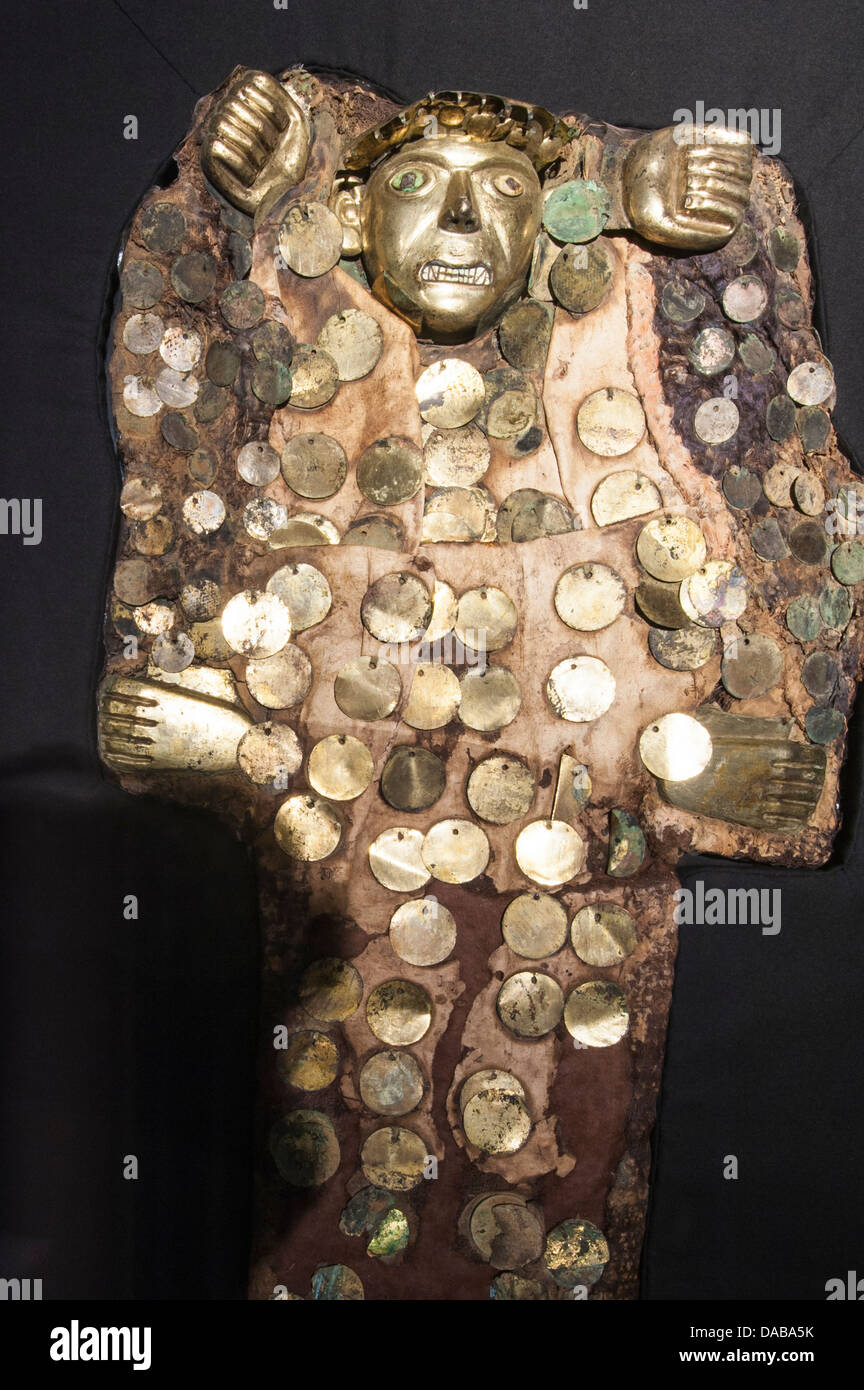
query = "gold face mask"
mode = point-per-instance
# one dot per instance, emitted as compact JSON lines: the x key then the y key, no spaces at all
{"x":447,"y":229}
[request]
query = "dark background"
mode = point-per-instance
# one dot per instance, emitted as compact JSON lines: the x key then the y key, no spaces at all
{"x":126,"y":1037}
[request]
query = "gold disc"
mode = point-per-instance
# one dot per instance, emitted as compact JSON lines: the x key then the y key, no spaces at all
{"x":530,"y":1004}
{"x":307,"y":828}
{"x":501,"y":789}
{"x":331,"y":989}
{"x":590,"y":596}
{"x":422,"y":932}
{"x":434,"y":696}
{"x":396,"y":608}
{"x":596,"y":1013}
{"x":576,"y":1253}
{"x":304,"y":591}
{"x":505,"y":1232}
{"x":269,"y":751}
{"x":391,"y":1083}
{"x":255,"y":623}
{"x":580,"y":689}
{"x":340,"y":767}
{"x":394,"y":1158}
{"x":490,"y":699}
{"x":367,"y":688}
{"x":676,"y":747}
{"x":455,"y":851}
{"x":486,"y":619}
{"x":450,"y":393}
{"x":314,"y":378}
{"x":496,"y":1122}
{"x":659,"y":602}
{"x":456,"y":458}
{"x":490,"y":1079}
{"x":280,"y":681}
{"x":354,"y":341}
{"x":310,"y":239}
{"x":305,"y":1148}
{"x":534,"y":925}
{"x":603,"y":934}
{"x":390,"y":471}
{"x":671,"y":547}
{"x":314,"y":465}
{"x":684,"y":650}
{"x":396,"y":861}
{"x":303,"y":528}
{"x":611,"y":422}
{"x":399,"y":1012}
{"x":550,"y":852}
{"x":443,"y":613}
{"x":413,"y":779}
{"x":310,"y":1061}
{"x":623,"y":495}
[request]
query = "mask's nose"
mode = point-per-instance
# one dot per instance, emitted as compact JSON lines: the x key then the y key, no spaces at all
{"x":458,"y":213}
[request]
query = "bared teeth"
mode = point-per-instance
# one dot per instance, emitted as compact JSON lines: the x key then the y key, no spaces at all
{"x":437,"y":272}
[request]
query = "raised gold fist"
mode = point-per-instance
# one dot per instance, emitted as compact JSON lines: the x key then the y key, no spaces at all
{"x":688,"y":185}
{"x":257,"y":139}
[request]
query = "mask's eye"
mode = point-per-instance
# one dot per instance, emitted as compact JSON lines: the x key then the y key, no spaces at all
{"x":408,"y":181}
{"x":509,"y":185}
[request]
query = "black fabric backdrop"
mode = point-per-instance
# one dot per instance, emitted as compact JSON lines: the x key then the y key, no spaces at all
{"x":136,"y":1037}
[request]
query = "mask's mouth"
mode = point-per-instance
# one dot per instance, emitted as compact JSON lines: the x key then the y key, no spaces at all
{"x":447,"y":273}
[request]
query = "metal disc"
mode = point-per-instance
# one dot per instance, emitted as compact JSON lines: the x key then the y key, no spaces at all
{"x":741,"y":488}
{"x":139,"y":397}
{"x":486,"y":619}
{"x":611,"y":422}
{"x":524,"y":333}
{"x":534,"y":925}
{"x":163,"y":227}
{"x":304,"y":529}
{"x":505,"y":1232}
{"x":354,"y":341}
{"x":367,"y":688}
{"x":778,"y":483}
{"x":580,"y":689}
{"x":304,"y":591}
{"x":222,"y":363}
{"x":803,"y":618}
{"x":396,"y":608}
{"x":757,"y":356}
{"x":456,"y":458}
{"x":142,"y":333}
{"x":671,"y":547}
{"x":847,"y":562}
{"x":596,"y":1013}
{"x":173,"y":652}
{"x":450,"y":393}
{"x":712,"y":351}
{"x":590,"y":596}
{"x":501,"y":789}
{"x":242,"y":304}
{"x":399,"y":1012}
{"x":140,"y":499}
{"x":304,"y":1148}
{"x":390,"y":471}
{"x":264,"y":516}
{"x":280,"y":681}
{"x":314,"y":377}
{"x":331,"y":989}
{"x":434,"y":697}
{"x":545,"y":517}
{"x":310,"y":239}
{"x":396,"y":861}
{"x":314,"y":465}
{"x":581,"y":277}
{"x":811,"y":383}
{"x":576,"y":1253}
{"x":496,"y":1122}
{"x":340,"y":767}
{"x":391,"y":1083}
{"x":685,"y":650}
{"x":413,"y":779}
{"x":310,"y":1061}
{"x":255,"y":623}
{"x":394,"y":1158}
{"x":490,"y":1079}
{"x":422,"y":932}
{"x":659,"y":602}
{"x":745,"y":298}
{"x":676,"y":747}
{"x":715,"y":594}
{"x":141,"y":284}
{"x":603,"y":934}
{"x":819,"y":675}
{"x":751,"y":666}
{"x":455,"y":851}
{"x":490,"y":699}
{"x":623,"y":495}
{"x":716,"y":420}
{"x":307,"y":828}
{"x":194,"y":276}
{"x":681,"y":301}
{"x":258,"y":463}
{"x":550,"y":852}
{"x":376,"y":532}
{"x":443,"y":613}
{"x":269,"y":751}
{"x":271,"y":342}
{"x":530,"y":1004}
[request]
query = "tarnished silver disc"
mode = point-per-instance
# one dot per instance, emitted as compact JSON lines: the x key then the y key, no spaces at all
{"x":367,"y":688}
{"x":530,"y":1004}
{"x":716,"y":420}
{"x":255,"y":623}
{"x":603,"y":934}
{"x":173,"y":651}
{"x":751,"y":666}
{"x":500,"y":789}
{"x":490,"y":699}
{"x":394,"y":1158}
{"x":486,"y":619}
{"x":456,"y":458}
{"x":676,"y":747}
{"x":180,"y":347}
{"x":580,"y":688}
{"x":269,"y":751}
{"x":304,"y":591}
{"x":745,"y":298}
{"x":314,"y":377}
{"x":715,"y":594}
{"x":811,"y":383}
{"x":310,"y":238}
{"x":671,"y":547}
{"x":455,"y":851}
{"x":390,"y":471}
{"x":589,"y":596}
{"x":303,"y":529}
{"x":778,"y":483}
{"x":685,"y":650}
{"x":391,"y":1083}
{"x":450,"y":393}
{"x":396,"y":861}
{"x":263,"y":518}
{"x":550,"y":852}
{"x":596,"y":1015}
{"x":175,"y":389}
{"x":354,"y":341}
{"x":140,"y":499}
{"x":434,"y":697}
{"x":534,"y":925}
{"x":282,"y":680}
{"x":258,"y":463}
{"x":623,"y":495}
{"x":422,"y":932}
{"x":307,"y":828}
{"x":142,"y":333}
{"x":396,"y":608}
{"x":203,"y":512}
{"x":712,"y":351}
{"x":340,"y":767}
{"x":611,"y":422}
{"x":314,"y":465}
{"x":139,"y":396}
